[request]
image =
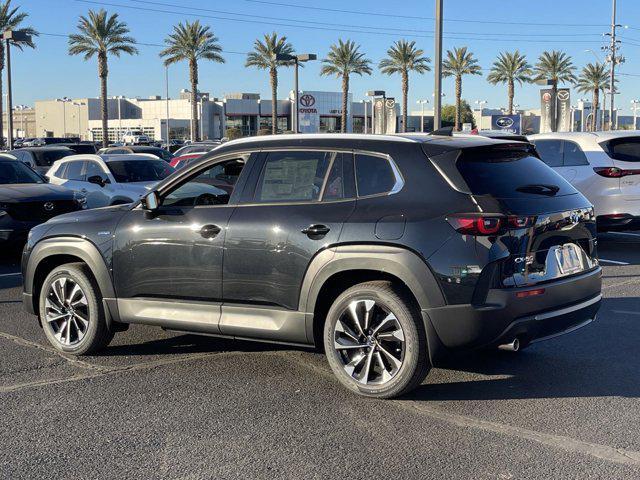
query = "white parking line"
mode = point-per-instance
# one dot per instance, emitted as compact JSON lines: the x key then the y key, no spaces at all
{"x":10,"y":274}
{"x":616,"y":262}
{"x":625,"y":233}
{"x":626,"y":312}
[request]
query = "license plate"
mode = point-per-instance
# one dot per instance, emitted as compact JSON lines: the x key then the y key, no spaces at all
{"x":569,"y":259}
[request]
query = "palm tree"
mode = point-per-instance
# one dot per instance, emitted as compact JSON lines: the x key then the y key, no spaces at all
{"x":593,"y":79}
{"x":458,"y":63}
{"x":263,"y":57}
{"x":10,"y":19}
{"x":509,"y":68}
{"x":343,"y":60}
{"x":556,"y":66}
{"x":100,"y":35}
{"x":192,"y":42}
{"x":403,"y":57}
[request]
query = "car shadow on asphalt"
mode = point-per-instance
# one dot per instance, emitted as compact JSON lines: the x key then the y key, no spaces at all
{"x":600,"y":360}
{"x":189,"y":344}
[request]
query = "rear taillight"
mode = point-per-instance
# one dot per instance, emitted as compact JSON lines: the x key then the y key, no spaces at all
{"x":615,"y":172}
{"x":487,"y":225}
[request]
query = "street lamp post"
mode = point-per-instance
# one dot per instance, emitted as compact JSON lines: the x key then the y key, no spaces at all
{"x":166,"y":73}
{"x":296,"y":59}
{"x":79,"y":104}
{"x":64,"y":101}
{"x":437,"y":97}
{"x":422,"y":102}
{"x":11,"y":36}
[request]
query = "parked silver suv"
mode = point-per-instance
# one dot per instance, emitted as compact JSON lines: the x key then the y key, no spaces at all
{"x":109,"y":179}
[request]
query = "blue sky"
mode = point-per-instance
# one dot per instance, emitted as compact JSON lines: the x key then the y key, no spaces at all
{"x":49,"y":72}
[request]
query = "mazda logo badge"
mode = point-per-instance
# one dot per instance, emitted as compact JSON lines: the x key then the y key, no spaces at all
{"x":575,"y":217}
{"x":563,"y":95}
{"x":49,"y":206}
{"x":307,"y":100}
{"x":504,"y":122}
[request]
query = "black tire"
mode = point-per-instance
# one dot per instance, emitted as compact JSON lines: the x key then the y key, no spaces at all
{"x":97,"y":335}
{"x":414,"y":365}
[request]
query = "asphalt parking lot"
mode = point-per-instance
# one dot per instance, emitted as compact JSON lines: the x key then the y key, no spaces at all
{"x":162,"y":405}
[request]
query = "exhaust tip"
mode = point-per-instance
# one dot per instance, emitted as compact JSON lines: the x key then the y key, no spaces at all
{"x":514,"y":346}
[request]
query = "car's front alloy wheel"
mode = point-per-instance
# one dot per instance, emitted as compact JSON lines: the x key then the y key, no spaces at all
{"x":66,"y":311}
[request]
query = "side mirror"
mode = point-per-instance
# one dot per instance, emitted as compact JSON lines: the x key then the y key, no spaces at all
{"x":150,"y":201}
{"x":97,"y":179}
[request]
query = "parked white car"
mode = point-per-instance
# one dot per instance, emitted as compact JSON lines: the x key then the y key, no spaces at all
{"x":604,"y":166}
{"x":109,"y":179}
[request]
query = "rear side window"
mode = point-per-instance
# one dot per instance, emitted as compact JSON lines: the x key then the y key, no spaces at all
{"x":506,"y":173}
{"x":74,"y":171}
{"x":374,"y":175}
{"x":550,"y":151}
{"x":293,"y":176}
{"x":623,"y":149}
{"x":572,"y":155}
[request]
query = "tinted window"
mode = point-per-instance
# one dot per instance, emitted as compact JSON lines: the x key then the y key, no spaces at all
{"x":212,"y":186}
{"x":126,"y":171}
{"x":45,"y":158}
{"x":624,"y":149}
{"x":74,"y":171}
{"x":550,"y":151}
{"x":60,"y":170}
{"x":13,"y":171}
{"x":93,"y":169}
{"x":373,"y":175}
{"x":195,"y":149}
{"x":340,"y":182}
{"x":293,"y":176}
{"x":509,"y":174}
{"x":573,"y":155}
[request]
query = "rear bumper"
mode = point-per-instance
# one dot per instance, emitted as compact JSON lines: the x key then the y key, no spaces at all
{"x":564,"y":306}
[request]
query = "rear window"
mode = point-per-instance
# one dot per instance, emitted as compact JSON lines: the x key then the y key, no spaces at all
{"x":45,"y":158}
{"x":506,"y":173}
{"x":126,"y":171}
{"x":623,"y":149}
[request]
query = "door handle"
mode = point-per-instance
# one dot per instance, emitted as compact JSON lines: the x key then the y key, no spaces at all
{"x":210,"y":231}
{"x":316,"y":230}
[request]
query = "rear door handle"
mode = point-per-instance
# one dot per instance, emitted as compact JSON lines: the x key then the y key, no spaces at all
{"x":210,"y":231}
{"x":316,"y":230}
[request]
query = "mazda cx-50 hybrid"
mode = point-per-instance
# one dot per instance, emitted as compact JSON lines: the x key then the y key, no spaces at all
{"x":387,"y":251}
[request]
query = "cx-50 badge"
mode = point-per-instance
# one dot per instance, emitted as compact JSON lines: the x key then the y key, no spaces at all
{"x":49,"y":206}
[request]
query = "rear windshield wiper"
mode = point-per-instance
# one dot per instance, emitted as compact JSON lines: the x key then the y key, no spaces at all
{"x":539,"y":189}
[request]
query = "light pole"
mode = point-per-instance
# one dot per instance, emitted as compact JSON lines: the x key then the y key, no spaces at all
{"x":21,"y":109}
{"x":481,"y":104}
{"x":422,"y":102}
{"x":296,"y":59}
{"x":64,"y":101}
{"x":11,"y":36}
{"x":166,"y":79}
{"x":364,"y":104}
{"x":437,"y":98}
{"x":79,"y":104}
{"x":634,"y":104}
{"x":374,"y":94}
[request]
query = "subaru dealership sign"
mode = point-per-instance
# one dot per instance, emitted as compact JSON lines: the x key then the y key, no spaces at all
{"x":506,"y":123}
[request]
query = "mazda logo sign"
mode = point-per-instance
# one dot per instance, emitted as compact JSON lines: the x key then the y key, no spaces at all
{"x":504,"y":122}
{"x":563,"y":95}
{"x":307,"y":100}
{"x":49,"y":206}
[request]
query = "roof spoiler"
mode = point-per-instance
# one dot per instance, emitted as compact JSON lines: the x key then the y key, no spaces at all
{"x":443,"y":132}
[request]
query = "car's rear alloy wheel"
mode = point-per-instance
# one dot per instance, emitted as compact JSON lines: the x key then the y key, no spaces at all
{"x":71,"y":310}
{"x":67,"y":311}
{"x":375,"y":341}
{"x":370,"y":342}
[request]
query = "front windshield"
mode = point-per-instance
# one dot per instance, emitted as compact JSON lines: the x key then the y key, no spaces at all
{"x":13,"y":172}
{"x":127,"y":171}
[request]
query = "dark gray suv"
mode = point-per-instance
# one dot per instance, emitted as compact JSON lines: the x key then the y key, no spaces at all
{"x":387,"y":251}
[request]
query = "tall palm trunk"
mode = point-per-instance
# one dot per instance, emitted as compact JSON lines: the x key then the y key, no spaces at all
{"x":103,"y":73}
{"x":510,"y":94}
{"x":1,"y":96}
{"x":596,"y":104}
{"x":458,"y":102}
{"x":193,"y":76}
{"x":345,"y":96}
{"x":405,"y":94}
{"x":273,"y":74}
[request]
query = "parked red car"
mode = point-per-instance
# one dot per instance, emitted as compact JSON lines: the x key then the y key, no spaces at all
{"x":179,"y":162}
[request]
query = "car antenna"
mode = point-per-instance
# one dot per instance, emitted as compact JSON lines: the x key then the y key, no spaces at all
{"x":443,"y":132}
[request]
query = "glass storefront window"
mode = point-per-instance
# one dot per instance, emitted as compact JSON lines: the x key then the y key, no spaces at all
{"x":283,"y":123}
{"x":330,"y":124}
